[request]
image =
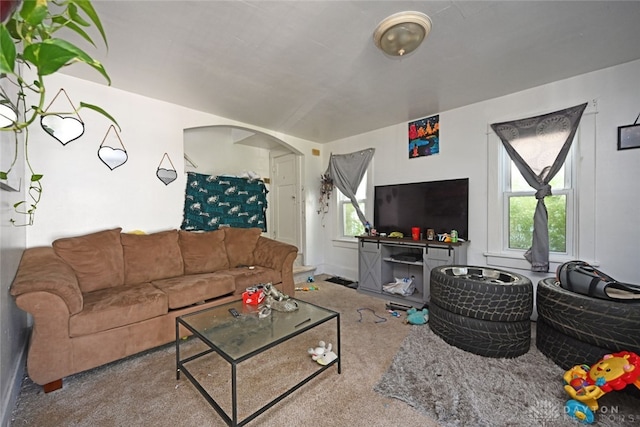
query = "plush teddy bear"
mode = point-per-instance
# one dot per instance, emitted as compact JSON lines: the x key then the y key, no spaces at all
{"x":322,"y":354}
{"x":415,"y":317}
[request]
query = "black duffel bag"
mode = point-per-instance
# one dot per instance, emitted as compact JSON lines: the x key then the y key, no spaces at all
{"x":582,"y":278}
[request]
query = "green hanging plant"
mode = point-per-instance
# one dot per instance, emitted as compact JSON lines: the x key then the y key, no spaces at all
{"x":29,"y":37}
{"x":326,"y":188}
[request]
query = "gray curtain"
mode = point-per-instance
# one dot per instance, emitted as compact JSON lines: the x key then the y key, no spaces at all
{"x":538,"y":146}
{"x":347,"y":170}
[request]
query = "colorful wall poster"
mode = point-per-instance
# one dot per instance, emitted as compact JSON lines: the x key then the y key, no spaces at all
{"x":424,"y":137}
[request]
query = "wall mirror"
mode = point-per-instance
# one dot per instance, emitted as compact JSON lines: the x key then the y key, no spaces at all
{"x":8,"y":116}
{"x":110,"y":155}
{"x":64,"y":129}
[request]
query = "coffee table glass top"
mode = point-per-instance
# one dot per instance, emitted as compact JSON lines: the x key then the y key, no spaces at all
{"x":242,"y":336}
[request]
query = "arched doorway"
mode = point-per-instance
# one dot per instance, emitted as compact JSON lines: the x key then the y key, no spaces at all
{"x":241,"y":151}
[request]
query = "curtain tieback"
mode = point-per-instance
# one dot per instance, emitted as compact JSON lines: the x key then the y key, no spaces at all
{"x":543,"y":192}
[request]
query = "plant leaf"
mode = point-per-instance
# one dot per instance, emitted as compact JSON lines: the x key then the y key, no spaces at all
{"x":73,"y":26}
{"x":36,"y":177}
{"x":34,"y":11}
{"x":86,"y":6}
{"x":101,"y":111}
{"x":3,"y":175}
{"x":12,"y":27}
{"x":8,"y":51}
{"x":75,"y":16}
{"x":51,"y":55}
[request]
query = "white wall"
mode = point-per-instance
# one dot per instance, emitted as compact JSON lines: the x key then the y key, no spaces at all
{"x":83,"y":195}
{"x":13,"y":322}
{"x":214,"y":151}
{"x":463,"y":153}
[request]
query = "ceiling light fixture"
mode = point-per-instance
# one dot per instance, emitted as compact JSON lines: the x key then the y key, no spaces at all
{"x":402,"y":33}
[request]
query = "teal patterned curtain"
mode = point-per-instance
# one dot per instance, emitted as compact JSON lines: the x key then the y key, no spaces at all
{"x":212,"y":201}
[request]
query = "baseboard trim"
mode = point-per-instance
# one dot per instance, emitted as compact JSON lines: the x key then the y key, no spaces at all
{"x":10,"y":396}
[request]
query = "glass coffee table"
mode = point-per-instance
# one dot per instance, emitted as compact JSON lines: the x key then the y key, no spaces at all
{"x":237,"y":339}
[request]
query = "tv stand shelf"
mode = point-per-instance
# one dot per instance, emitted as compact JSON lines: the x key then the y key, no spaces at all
{"x":383,"y":259}
{"x":399,"y":261}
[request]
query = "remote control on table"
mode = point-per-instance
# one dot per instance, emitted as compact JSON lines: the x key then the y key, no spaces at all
{"x":234,"y":312}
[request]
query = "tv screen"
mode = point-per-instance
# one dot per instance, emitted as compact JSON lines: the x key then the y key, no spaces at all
{"x":441,"y":205}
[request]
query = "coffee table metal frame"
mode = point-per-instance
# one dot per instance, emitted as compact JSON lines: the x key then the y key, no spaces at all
{"x":234,"y":360}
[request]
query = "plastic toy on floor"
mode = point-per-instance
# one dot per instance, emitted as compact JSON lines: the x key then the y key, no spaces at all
{"x":322,"y":354}
{"x":307,"y":288}
{"x":586,"y":384}
{"x":415,"y":317}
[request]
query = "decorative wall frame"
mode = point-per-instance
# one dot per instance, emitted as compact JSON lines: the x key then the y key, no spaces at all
{"x":424,"y":137}
{"x":629,"y":136}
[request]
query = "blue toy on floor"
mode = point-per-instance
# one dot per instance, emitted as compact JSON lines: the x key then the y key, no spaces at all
{"x":415,"y":317}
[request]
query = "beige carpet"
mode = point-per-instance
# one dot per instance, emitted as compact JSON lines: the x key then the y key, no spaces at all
{"x":142,"y":390}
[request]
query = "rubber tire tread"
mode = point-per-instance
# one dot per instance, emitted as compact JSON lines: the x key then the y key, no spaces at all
{"x":481,"y":337}
{"x":566,"y":351}
{"x":482,"y":300}
{"x":602,"y":323}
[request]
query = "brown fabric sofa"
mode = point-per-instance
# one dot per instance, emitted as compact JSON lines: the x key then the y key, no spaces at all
{"x":107,"y":295}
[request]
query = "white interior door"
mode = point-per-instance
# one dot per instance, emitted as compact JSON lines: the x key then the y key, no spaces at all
{"x":287,"y":209}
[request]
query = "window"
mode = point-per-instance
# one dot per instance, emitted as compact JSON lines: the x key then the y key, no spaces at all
{"x":511,"y":202}
{"x":349,"y":223}
{"x":520,"y":204}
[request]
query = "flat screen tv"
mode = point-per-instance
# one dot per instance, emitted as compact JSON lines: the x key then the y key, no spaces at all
{"x":441,"y":205}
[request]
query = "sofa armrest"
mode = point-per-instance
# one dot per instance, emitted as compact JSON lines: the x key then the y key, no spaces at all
{"x":41,"y":270}
{"x":271,"y":253}
{"x":278,"y":256}
{"x":50,"y":356}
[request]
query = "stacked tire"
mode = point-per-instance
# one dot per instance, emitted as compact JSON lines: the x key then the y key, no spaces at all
{"x":481,"y":310}
{"x":575,"y":329}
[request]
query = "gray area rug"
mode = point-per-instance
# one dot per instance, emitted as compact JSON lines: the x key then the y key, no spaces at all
{"x":457,"y":388}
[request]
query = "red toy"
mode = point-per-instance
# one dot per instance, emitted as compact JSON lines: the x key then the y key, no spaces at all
{"x":586,"y":384}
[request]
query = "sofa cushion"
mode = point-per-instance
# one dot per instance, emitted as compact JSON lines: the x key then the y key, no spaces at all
{"x":95,"y":258}
{"x":245,"y":277}
{"x":114,"y":307}
{"x":240,"y":244}
{"x":187,"y":290}
{"x":203,"y":252}
{"x":149,"y":257}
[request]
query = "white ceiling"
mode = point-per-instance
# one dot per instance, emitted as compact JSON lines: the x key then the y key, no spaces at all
{"x":310,"y":69}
